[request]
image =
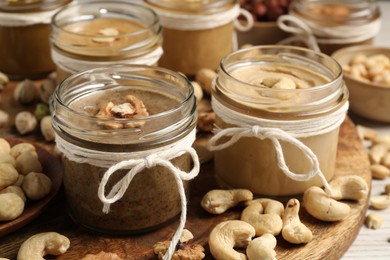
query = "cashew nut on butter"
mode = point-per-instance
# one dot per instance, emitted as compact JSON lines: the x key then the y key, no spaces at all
{"x":262,"y":248}
{"x":294,"y":231}
{"x":218,"y":201}
{"x":227,"y":235}
{"x":319,"y":205}
{"x":265,"y":215}
{"x":39,"y":245}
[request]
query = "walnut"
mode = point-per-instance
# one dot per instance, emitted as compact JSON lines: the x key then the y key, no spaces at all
{"x":131,"y":108}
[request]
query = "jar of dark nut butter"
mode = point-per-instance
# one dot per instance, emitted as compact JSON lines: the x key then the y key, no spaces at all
{"x":126,"y":133}
{"x":95,"y":34}
{"x":278,"y":111}
{"x":24,"y":37}
{"x":333,"y":24}
{"x":197,"y":34}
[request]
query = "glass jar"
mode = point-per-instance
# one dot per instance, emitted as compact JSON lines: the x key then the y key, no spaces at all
{"x":94,"y":136}
{"x":103,"y":33}
{"x":24,"y":37}
{"x":278,"y":111}
{"x":338,"y":24}
{"x":197,"y":34}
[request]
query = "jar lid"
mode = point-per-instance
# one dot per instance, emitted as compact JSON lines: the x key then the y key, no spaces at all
{"x":31,"y":5}
{"x":191,"y":6}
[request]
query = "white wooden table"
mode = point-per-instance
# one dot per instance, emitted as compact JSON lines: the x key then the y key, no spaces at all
{"x":375,"y":244}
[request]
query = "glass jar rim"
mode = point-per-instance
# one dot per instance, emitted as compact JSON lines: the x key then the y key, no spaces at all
{"x":203,"y":7}
{"x":102,"y":10}
{"x":32,"y":5}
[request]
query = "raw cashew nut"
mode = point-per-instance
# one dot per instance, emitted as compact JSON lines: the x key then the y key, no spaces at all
{"x":262,"y":248}
{"x":39,"y":245}
{"x":218,"y":201}
{"x":318,"y":204}
{"x":294,"y":231}
{"x":374,"y":220}
{"x":227,"y":235}
{"x":11,"y":206}
{"x":349,"y":187}
{"x":265,"y":215}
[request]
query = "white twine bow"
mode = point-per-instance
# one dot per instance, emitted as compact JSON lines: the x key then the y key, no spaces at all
{"x":275,"y":135}
{"x":137,"y":165}
{"x":249,"y":21}
{"x":301,"y":31}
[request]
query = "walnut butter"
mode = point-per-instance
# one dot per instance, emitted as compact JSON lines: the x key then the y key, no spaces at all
{"x":24,"y":37}
{"x":99,"y":34}
{"x":126,"y":134}
{"x":335,"y":24}
{"x":278,"y":111}
{"x":197,"y":33}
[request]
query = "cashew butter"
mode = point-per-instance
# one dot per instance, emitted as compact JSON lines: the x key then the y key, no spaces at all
{"x":197,"y":34}
{"x":271,"y":96}
{"x":90,"y":35}
{"x":115,"y":115}
{"x":24,"y":34}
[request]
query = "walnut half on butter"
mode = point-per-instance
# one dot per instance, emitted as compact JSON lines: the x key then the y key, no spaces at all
{"x":131,"y":108}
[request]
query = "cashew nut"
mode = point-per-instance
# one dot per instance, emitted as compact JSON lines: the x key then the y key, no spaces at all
{"x":39,"y":245}
{"x":294,"y":231}
{"x":319,"y":205}
{"x":380,"y":201}
{"x":381,"y":139}
{"x":218,"y":201}
{"x":8,"y":175}
{"x":262,"y":248}
{"x":265,"y":215}
{"x":36,"y":185}
{"x":366,"y":133}
{"x":11,"y":206}
{"x":376,"y":153}
{"x":374,"y":221}
{"x":349,"y":187}
{"x":386,"y":160}
{"x":227,"y":235}
{"x":379,"y":172}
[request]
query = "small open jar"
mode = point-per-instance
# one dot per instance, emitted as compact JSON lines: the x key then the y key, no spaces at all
{"x":24,"y":37}
{"x":121,"y":131}
{"x":197,"y":34}
{"x":338,"y":24}
{"x":278,"y":111}
{"x":100,"y":34}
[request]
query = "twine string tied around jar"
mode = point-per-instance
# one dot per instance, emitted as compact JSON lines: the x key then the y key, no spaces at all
{"x":277,"y":131}
{"x":27,"y":19}
{"x":152,"y":160}
{"x":311,"y":33}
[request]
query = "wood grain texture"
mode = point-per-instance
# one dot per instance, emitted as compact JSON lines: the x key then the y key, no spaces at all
{"x":331,"y":240}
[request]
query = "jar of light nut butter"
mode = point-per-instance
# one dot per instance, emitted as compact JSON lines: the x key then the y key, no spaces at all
{"x":278,"y":111}
{"x":197,"y":34}
{"x":125,"y":133}
{"x":24,"y":37}
{"x":333,"y":24}
{"x":95,"y":34}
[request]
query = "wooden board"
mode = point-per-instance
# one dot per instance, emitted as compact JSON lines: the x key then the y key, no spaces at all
{"x":331,"y":240}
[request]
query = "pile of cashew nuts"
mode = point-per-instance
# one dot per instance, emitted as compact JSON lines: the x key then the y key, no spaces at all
{"x":266,"y":218}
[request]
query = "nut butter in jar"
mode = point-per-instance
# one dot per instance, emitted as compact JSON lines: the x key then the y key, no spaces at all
{"x":125,"y":133}
{"x":334,"y":24}
{"x":100,"y":34}
{"x":197,"y":34}
{"x":24,"y":37}
{"x":278,"y":111}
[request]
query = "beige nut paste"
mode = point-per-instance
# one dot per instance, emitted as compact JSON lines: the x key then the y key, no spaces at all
{"x":251,"y":162}
{"x":152,"y":197}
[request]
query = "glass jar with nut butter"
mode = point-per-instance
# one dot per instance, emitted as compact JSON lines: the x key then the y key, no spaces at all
{"x":125,"y":133}
{"x":95,"y":34}
{"x":337,"y":24}
{"x":278,"y":111}
{"x":24,"y":37}
{"x":197,"y":34}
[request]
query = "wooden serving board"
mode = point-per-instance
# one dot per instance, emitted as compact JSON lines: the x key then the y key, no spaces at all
{"x":330,"y":241}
